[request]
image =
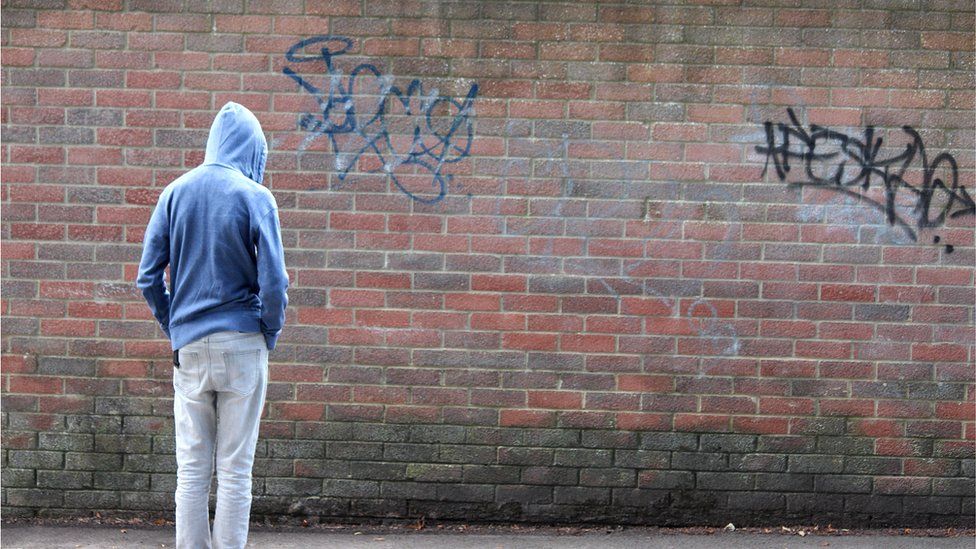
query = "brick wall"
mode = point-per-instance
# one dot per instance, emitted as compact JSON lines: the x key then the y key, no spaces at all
{"x":670,"y":262}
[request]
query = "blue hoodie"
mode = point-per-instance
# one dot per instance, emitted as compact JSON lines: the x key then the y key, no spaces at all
{"x":217,"y":229}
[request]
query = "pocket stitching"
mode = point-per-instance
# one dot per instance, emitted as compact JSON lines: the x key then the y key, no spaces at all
{"x":246,"y":372}
{"x":186,"y":378}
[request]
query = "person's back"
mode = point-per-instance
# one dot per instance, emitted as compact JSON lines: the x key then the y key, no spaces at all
{"x":217,"y":229}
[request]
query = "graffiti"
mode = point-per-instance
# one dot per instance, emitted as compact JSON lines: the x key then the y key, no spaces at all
{"x":365,"y":114}
{"x":839,"y":162}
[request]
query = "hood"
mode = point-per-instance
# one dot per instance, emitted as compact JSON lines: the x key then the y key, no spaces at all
{"x":236,"y":141}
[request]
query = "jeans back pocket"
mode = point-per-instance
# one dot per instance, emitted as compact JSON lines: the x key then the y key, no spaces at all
{"x":241,"y":370}
{"x":188,"y":376}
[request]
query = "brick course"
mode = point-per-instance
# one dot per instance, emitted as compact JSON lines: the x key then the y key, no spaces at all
{"x":648,"y":286}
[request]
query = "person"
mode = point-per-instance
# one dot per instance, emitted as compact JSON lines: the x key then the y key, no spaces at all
{"x":217,"y":229}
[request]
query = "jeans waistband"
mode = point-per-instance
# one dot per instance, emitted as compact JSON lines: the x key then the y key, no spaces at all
{"x":220,"y":337}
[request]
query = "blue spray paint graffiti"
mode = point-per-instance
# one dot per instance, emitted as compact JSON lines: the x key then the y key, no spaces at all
{"x":360,"y":118}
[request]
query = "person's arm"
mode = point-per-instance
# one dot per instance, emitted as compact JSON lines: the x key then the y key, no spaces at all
{"x":155,"y":258}
{"x":272,"y":277}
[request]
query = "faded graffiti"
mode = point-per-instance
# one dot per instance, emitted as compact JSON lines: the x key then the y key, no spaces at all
{"x":717,"y":334}
{"x":842,"y":163}
{"x":365,"y":114}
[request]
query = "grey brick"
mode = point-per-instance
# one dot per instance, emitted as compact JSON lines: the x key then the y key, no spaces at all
{"x":147,"y":424}
{"x":118,"y":480}
{"x":727,"y":443}
{"x":435,"y":472}
{"x":17,"y":478}
{"x":872,"y":465}
{"x":91,"y":499}
{"x":666,"y":480}
{"x":93,"y":424}
{"x":934,"y":504}
{"x":881,"y":312}
{"x":879,"y":389}
{"x":556,"y":285}
{"x":123,"y":406}
{"x":354,"y":450}
{"x":35,"y":459}
{"x":166,"y":444}
{"x":410,"y":452}
{"x":699,"y":461}
{"x":126,"y":444}
{"x":724,"y":481}
{"x":583,"y":457}
{"x":150,"y":501}
{"x":526,"y":456}
{"x":873,"y":504}
{"x":65,"y":441}
{"x":556,"y":361}
{"x":843,"y":484}
{"x":642,"y":459}
{"x":35,"y":77}
{"x":613,"y":477}
{"x":373,"y":432}
{"x":466,"y":492}
{"x":264,"y":467}
{"x":936,"y":391}
{"x":783,"y":444}
{"x":351,"y":488}
{"x":296,"y":449}
{"x":94,"y":117}
{"x":968,"y":467}
{"x":524,"y":494}
{"x":166,"y":482}
{"x":641,"y":498}
{"x":377,"y":471}
{"x":34,"y":498}
{"x":669,"y":441}
{"x":214,"y":42}
{"x":784,"y":482}
{"x":846,"y":445}
{"x":149,"y":463}
{"x":576,"y":495}
{"x":449,"y":282}
{"x":550,"y":475}
{"x":292,"y":486}
{"x":186,"y":139}
{"x":28,"y":422}
{"x":64,"y":480}
{"x":757,"y":462}
{"x":560,"y":438}
{"x":51,"y":135}
{"x":447,"y":434}
{"x":491,"y":474}
{"x":92,"y":461}
{"x":816,"y":464}
{"x":456,"y":453}
{"x":409,"y":490}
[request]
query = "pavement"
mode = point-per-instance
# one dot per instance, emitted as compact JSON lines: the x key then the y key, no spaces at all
{"x":34,"y":536}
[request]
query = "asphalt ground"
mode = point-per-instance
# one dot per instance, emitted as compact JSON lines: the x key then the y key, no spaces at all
{"x":61,"y":534}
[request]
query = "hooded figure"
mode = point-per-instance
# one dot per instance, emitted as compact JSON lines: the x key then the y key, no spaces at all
{"x":217,"y":229}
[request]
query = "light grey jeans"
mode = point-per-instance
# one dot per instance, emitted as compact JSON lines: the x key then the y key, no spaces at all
{"x":218,"y":395}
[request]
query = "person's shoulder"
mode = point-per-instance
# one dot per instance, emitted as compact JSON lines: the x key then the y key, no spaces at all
{"x":261,"y":195}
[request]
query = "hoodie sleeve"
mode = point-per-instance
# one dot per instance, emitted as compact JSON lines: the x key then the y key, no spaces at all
{"x":272,"y":277}
{"x":155,"y":258}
